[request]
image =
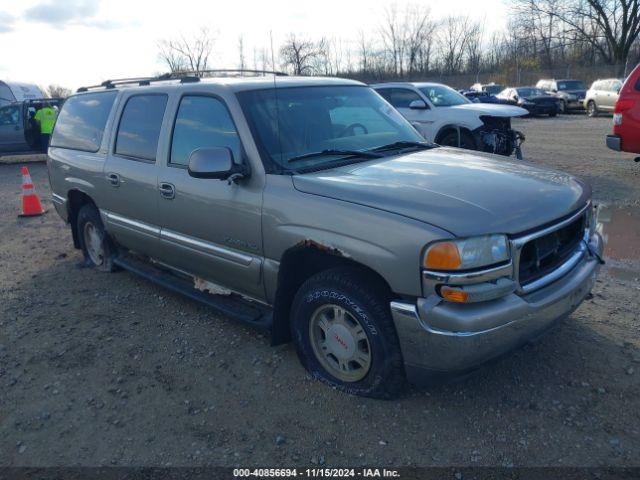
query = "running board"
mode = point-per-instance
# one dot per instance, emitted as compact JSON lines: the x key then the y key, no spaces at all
{"x":234,"y":306}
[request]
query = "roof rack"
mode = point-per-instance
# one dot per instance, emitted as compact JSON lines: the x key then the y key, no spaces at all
{"x":184,"y":77}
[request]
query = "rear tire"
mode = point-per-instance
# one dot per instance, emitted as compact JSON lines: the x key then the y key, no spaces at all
{"x":98,"y":250}
{"x":592,"y":109}
{"x":345,"y":336}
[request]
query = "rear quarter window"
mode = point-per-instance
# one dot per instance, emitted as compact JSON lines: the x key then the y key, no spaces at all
{"x":81,"y":123}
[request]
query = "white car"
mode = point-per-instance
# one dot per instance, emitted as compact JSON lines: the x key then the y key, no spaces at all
{"x":446,"y":117}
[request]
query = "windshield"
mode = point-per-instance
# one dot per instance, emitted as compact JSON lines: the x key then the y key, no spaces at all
{"x":443,"y":96}
{"x":570,"y":85}
{"x":289,"y":123}
{"x":530,"y":92}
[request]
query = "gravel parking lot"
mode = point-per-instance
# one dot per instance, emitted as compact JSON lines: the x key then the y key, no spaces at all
{"x":108,"y":369}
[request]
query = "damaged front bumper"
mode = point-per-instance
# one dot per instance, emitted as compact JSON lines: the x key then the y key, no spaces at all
{"x":454,"y":338}
{"x":496,"y":136}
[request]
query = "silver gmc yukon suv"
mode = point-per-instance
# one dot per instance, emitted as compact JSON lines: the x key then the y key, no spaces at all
{"x":310,"y":208}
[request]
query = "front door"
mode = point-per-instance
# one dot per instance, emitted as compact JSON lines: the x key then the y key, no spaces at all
{"x":210,"y":228}
{"x":420,"y":118}
{"x":131,"y":177}
{"x":12,"y":128}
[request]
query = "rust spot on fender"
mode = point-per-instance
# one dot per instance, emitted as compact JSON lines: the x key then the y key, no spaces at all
{"x":330,"y":249}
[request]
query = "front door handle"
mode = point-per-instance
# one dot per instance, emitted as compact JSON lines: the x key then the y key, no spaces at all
{"x":167,"y":190}
{"x":114,"y":179}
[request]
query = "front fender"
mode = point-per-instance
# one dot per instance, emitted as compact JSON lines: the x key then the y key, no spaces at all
{"x":384,"y":242}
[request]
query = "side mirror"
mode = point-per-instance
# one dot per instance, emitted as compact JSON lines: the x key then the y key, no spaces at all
{"x":215,"y":163}
{"x":418,"y":105}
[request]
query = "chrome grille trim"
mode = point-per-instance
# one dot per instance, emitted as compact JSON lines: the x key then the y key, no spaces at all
{"x":518,"y":243}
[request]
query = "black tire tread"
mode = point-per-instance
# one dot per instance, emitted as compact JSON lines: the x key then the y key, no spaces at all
{"x":90,"y":212}
{"x":376,"y":297}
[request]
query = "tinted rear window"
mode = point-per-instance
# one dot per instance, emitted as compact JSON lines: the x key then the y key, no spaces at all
{"x":140,"y":125}
{"x":81,"y":122}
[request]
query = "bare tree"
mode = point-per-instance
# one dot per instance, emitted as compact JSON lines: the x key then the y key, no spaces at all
{"x":241,"y":64}
{"x":56,"y":91}
{"x":419,"y":38}
{"x":302,"y":55}
{"x":453,"y":39}
{"x":611,"y":27}
{"x":192,"y":54}
{"x":363,"y":51}
{"x":474,"y":50}
{"x":393,"y":36}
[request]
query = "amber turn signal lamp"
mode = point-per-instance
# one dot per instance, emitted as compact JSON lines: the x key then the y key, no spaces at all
{"x":458,"y":296}
{"x":443,"y":256}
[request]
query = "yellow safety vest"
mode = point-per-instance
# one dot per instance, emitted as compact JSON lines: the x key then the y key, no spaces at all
{"x":46,"y":117}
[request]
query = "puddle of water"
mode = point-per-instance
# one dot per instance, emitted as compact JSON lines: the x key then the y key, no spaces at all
{"x":620,"y":229}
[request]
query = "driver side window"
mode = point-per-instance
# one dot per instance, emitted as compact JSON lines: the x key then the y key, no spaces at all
{"x":202,"y":122}
{"x":402,"y":97}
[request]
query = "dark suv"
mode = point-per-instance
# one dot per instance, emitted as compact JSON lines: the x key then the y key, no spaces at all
{"x":571,"y":93}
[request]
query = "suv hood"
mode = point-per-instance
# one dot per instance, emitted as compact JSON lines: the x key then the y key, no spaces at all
{"x":463,"y":192}
{"x":492,"y":109}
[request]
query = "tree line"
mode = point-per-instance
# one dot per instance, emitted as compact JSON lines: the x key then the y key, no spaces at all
{"x":409,"y":43}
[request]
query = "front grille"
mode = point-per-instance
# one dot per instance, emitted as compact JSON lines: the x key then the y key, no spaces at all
{"x":543,"y":255}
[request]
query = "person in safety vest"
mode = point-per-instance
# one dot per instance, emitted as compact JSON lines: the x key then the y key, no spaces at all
{"x":46,"y":118}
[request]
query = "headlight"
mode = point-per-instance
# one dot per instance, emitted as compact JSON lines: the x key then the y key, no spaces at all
{"x":467,"y":254}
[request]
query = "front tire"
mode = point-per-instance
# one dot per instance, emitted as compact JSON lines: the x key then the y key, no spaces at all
{"x":450,"y":139}
{"x":345,"y":336}
{"x":95,"y":244}
{"x":592,"y":109}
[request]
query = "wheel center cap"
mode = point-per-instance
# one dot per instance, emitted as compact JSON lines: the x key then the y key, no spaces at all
{"x":340,"y":341}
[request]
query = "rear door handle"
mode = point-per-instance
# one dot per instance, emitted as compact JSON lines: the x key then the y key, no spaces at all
{"x":114,"y":179}
{"x":167,"y":190}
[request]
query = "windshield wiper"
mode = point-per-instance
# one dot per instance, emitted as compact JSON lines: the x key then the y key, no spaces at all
{"x":348,"y":153}
{"x":403,"y":145}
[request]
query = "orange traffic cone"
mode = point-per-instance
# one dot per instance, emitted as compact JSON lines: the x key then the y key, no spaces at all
{"x":30,"y":201}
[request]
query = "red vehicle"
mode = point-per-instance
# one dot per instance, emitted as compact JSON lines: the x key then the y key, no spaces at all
{"x":626,"y":116}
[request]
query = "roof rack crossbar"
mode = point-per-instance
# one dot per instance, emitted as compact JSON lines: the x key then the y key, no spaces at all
{"x":184,"y":77}
{"x":236,"y":70}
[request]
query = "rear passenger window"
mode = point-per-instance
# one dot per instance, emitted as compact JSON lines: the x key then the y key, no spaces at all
{"x":81,"y":122}
{"x":139,"y":128}
{"x":202,"y":122}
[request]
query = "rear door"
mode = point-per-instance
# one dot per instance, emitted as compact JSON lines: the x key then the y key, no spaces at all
{"x":612,"y":89}
{"x":130,"y":172}
{"x":600,"y":94}
{"x":210,"y":228}
{"x":12,"y":128}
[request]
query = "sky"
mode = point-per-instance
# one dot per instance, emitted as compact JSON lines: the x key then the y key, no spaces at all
{"x":83,"y":42}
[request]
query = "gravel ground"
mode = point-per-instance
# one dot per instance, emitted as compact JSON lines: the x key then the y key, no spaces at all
{"x":108,"y":369}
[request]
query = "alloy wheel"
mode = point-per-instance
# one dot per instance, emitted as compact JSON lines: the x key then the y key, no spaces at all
{"x":340,"y":343}
{"x":93,"y":243}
